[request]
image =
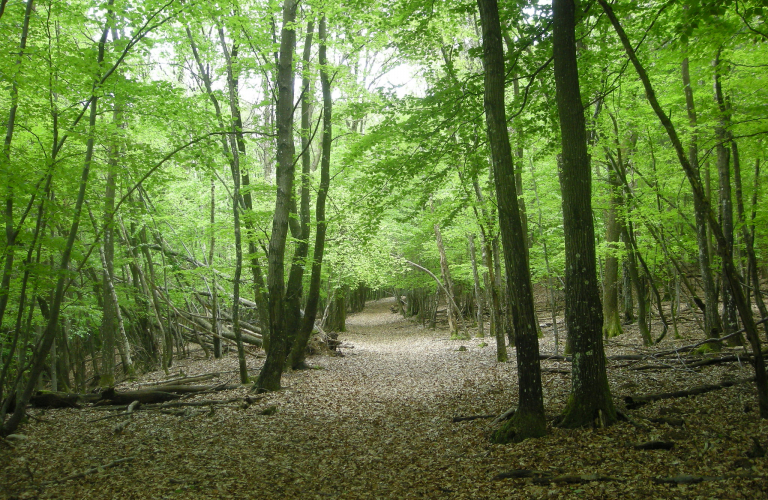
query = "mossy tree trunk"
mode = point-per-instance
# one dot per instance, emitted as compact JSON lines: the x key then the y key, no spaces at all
{"x":590,"y":396}
{"x":528,"y":420}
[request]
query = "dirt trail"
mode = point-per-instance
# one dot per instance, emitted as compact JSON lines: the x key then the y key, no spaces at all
{"x":376,"y":424}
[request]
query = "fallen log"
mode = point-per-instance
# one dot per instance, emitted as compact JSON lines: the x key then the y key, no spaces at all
{"x":633,"y":402}
{"x":46,"y":399}
{"x":143,"y":396}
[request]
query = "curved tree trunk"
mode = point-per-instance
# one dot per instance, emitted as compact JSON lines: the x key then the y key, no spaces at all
{"x":528,"y":420}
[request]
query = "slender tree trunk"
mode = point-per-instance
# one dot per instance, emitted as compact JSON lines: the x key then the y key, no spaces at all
{"x":295,"y":288}
{"x":5,"y":170}
{"x":730,"y":319}
{"x":733,"y":278}
{"x":237,"y":149}
{"x":271,"y":372}
{"x":528,"y":420}
{"x":214,"y":291}
{"x":446,"y":274}
{"x":590,"y":397}
{"x":550,"y":279}
{"x":313,"y":294}
{"x":478,"y":290}
{"x":749,"y":238}
{"x":611,"y":316}
{"x":711,"y":313}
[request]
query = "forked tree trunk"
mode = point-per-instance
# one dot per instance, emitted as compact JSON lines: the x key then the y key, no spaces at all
{"x":272,"y":371}
{"x":300,"y":227}
{"x":313,"y":294}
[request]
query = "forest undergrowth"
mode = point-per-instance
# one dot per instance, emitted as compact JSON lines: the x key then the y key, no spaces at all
{"x":378,"y":422}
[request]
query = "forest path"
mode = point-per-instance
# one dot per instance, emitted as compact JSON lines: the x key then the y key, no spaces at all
{"x":377,"y":424}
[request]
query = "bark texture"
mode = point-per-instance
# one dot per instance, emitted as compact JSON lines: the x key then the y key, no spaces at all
{"x":529,"y":418}
{"x":590,"y":396}
{"x":272,"y":371}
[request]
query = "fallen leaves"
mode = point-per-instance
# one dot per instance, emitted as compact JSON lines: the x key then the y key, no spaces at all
{"x":378,"y":423}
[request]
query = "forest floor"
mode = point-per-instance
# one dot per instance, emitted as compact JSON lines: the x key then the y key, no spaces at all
{"x":377,"y":422}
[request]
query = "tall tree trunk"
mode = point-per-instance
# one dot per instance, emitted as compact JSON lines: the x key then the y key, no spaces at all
{"x":529,"y":420}
{"x":711,"y":313}
{"x":271,"y":372}
{"x":300,"y":233}
{"x":611,"y":316}
{"x":730,"y":320}
{"x":749,"y":238}
{"x":496,"y":327}
{"x":590,"y":397}
{"x":237,"y":148}
{"x":214,"y":291}
{"x":550,"y":279}
{"x":313,"y":294}
{"x":733,"y":278}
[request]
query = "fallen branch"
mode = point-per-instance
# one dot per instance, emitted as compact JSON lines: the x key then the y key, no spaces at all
{"x":546,"y":477}
{"x":633,"y":402}
{"x":185,"y":380}
{"x":471,"y":417}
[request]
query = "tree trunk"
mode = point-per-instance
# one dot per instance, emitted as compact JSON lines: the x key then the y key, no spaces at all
{"x":313,"y":294}
{"x":271,"y":372}
{"x":611,"y":316}
{"x":711,"y":313}
{"x":730,"y":320}
{"x":446,"y":274}
{"x":478,"y":290}
{"x":295,"y":288}
{"x":529,"y":420}
{"x":5,"y":170}
{"x":590,"y":397}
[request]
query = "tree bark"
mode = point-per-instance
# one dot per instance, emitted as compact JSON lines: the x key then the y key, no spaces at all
{"x":611,"y":316}
{"x":529,"y":420}
{"x":295,"y":288}
{"x":590,"y":397}
{"x":730,"y":320}
{"x":478,"y":290}
{"x":5,"y":170}
{"x":711,"y":314}
{"x":271,"y":372}
{"x":313,"y":294}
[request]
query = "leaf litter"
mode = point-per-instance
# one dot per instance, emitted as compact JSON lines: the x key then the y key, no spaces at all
{"x":377,"y":423}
